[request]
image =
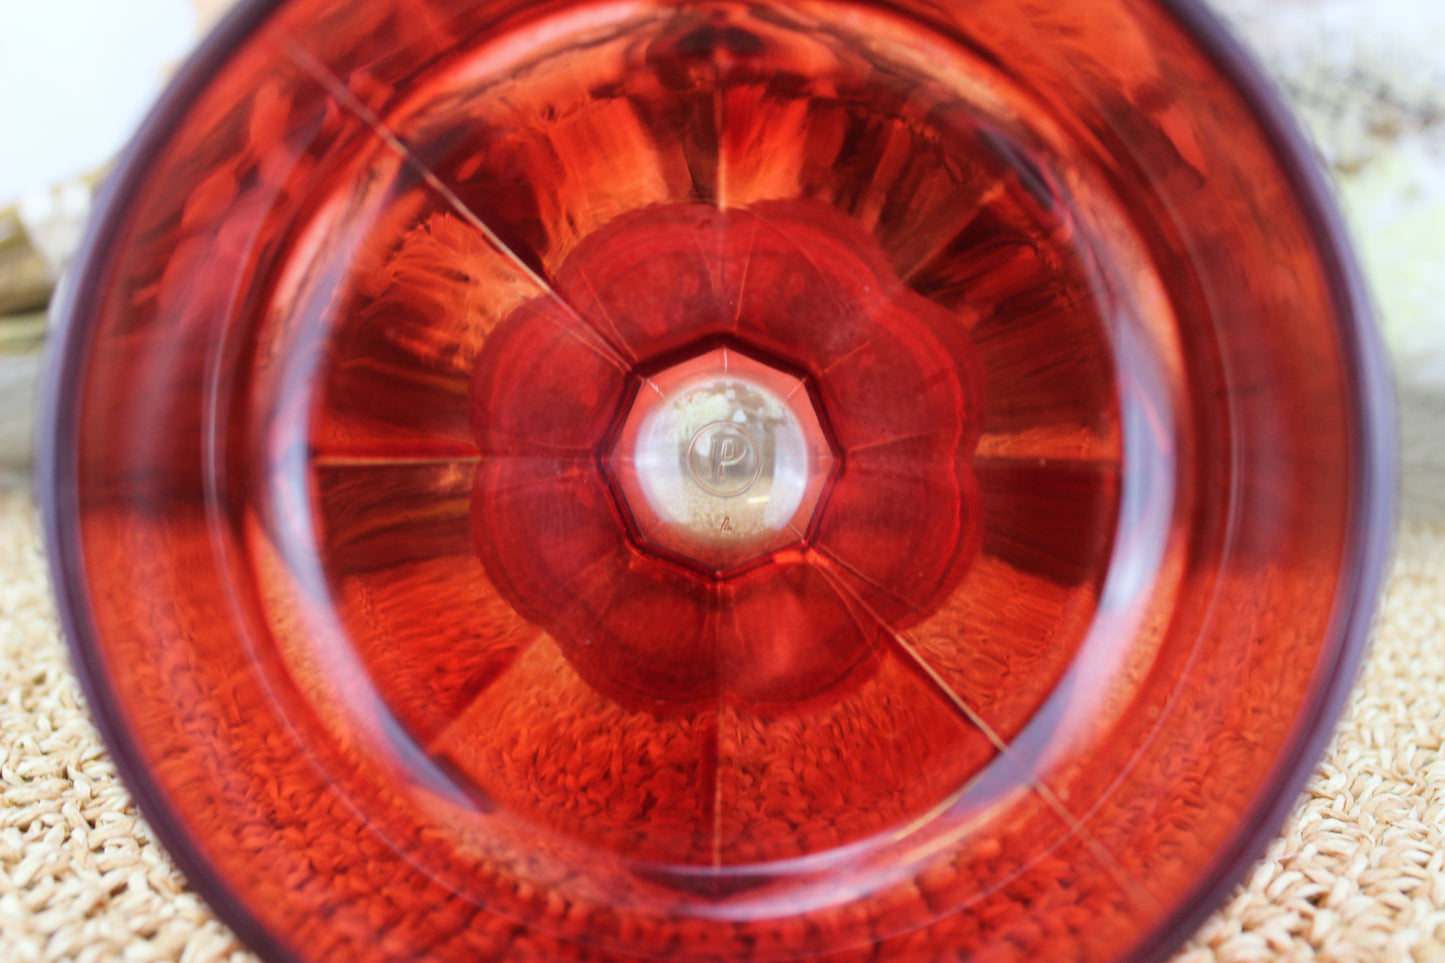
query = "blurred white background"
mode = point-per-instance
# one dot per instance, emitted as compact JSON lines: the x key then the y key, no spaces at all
{"x":76,"y":77}
{"x":1366,"y":77}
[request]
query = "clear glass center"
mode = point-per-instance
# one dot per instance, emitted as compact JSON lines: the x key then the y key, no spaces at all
{"x":723,"y":458}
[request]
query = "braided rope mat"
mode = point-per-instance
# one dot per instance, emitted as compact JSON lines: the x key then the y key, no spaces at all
{"x":1357,"y":874}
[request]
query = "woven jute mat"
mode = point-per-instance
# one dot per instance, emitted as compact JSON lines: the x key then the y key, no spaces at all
{"x":1358,"y":873}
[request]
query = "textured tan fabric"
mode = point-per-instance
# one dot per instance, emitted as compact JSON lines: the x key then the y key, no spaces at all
{"x":1358,"y":873}
{"x":80,"y":876}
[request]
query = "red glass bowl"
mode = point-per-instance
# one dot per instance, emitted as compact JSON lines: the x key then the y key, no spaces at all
{"x":709,"y":481}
